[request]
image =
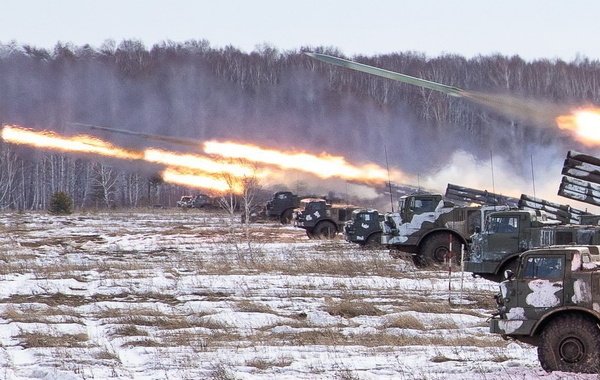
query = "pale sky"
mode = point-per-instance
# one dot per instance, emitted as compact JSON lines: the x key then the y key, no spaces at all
{"x":532,"y":29}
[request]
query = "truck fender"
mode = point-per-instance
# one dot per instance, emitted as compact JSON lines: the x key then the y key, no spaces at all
{"x":454,"y":233}
{"x":328,"y":220}
{"x":505,"y":261}
{"x":539,"y":326}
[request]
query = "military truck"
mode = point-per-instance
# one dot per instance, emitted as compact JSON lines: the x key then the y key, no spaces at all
{"x":196,"y":201}
{"x":553,"y":302}
{"x":364,"y":228}
{"x":282,"y":205}
{"x":320,"y":219}
{"x":431,"y":228}
{"x":508,"y":233}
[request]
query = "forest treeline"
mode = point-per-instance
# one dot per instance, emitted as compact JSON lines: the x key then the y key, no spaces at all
{"x":278,"y":99}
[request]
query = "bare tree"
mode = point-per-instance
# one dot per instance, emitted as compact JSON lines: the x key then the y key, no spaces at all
{"x":105,"y":179}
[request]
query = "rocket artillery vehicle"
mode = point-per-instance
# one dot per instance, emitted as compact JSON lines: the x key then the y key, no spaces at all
{"x":551,"y":301}
{"x":508,"y":233}
{"x":536,"y":223}
{"x":320,"y":219}
{"x":430,"y":228}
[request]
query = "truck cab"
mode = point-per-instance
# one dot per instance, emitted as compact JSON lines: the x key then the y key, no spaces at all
{"x":320,"y":219}
{"x":413,"y":212}
{"x":364,"y":228}
{"x":282,"y":205}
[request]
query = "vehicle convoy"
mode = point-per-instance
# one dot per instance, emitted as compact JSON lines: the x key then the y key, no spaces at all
{"x":364,"y":228}
{"x":553,"y":302}
{"x":508,"y":233}
{"x":431,"y":228}
{"x":320,"y":219}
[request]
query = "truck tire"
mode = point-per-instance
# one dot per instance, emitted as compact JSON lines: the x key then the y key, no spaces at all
{"x":570,"y":343}
{"x":310,"y":233}
{"x":373,"y":241}
{"x":435,"y":249}
{"x":286,"y":216}
{"x":325,"y":230}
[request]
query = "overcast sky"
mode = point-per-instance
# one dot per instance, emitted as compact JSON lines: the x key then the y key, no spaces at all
{"x":530,"y":28}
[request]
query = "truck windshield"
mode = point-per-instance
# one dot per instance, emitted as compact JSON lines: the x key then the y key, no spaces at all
{"x":420,"y":206}
{"x":503,"y":224}
{"x":548,"y":268}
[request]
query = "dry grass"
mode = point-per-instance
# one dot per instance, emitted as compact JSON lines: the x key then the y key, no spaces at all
{"x":32,"y":314}
{"x":404,"y":322}
{"x":352,"y":308}
{"x":129,"y":330}
{"x":334,"y":337}
{"x":31,"y":340}
{"x":253,"y":307}
{"x":143,"y":343}
{"x":264,"y":364}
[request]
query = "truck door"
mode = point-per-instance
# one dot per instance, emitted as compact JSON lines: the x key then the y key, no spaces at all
{"x":503,"y":234}
{"x":540,"y":284}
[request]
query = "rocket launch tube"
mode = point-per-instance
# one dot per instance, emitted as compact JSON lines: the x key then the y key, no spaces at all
{"x":450,"y":90}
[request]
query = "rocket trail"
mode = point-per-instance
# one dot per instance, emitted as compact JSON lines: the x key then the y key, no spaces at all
{"x":450,"y":90}
{"x":541,"y":113}
{"x":174,"y":140}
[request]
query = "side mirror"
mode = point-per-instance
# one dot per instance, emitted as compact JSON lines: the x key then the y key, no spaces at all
{"x":508,"y":274}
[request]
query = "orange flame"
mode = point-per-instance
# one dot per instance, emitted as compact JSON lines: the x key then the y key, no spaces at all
{"x":197,"y":162}
{"x":202,"y":180}
{"x":78,"y":144}
{"x":583,"y":124}
{"x":204,"y":171}
{"x":323,"y":165}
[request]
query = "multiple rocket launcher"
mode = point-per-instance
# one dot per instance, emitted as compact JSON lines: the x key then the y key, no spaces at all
{"x":581,"y":178}
{"x":581,"y":172}
{"x":562,"y":213}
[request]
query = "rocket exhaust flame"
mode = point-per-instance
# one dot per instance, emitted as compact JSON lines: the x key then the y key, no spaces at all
{"x":583,"y":124}
{"x":201,"y":180}
{"x":197,"y":162}
{"x":237,"y":161}
{"x":323,"y":165}
{"x":78,"y":144}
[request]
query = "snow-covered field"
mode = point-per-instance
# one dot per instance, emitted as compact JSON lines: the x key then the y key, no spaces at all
{"x":174,"y":294}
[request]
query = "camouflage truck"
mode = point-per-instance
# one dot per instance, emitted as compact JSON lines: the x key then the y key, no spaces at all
{"x":281,"y":206}
{"x":364,"y":228}
{"x":320,"y":219}
{"x":552,"y":301}
{"x":196,"y":201}
{"x":508,"y":233}
{"x":431,"y":228}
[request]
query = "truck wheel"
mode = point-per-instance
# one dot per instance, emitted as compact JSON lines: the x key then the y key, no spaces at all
{"x":570,"y":343}
{"x":435,"y":250}
{"x":310,"y":233}
{"x":325,"y":230}
{"x":373,"y":241}
{"x":286,"y":216}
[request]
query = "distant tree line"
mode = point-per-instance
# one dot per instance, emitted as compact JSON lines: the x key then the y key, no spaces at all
{"x":278,"y":99}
